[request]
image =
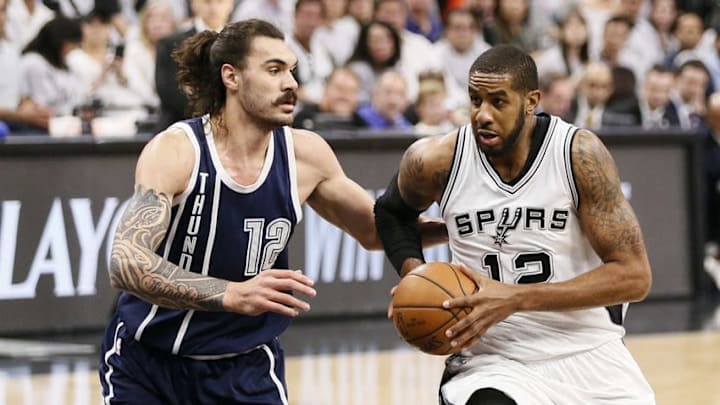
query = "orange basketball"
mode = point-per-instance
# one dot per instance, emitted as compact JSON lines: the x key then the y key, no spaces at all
{"x":418,"y":313}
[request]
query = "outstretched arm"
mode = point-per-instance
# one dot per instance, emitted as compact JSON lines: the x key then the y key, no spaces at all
{"x":163,"y":171}
{"x":340,"y":200}
{"x":614,"y":233}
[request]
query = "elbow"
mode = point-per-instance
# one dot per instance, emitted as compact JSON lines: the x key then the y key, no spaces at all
{"x":370,"y":241}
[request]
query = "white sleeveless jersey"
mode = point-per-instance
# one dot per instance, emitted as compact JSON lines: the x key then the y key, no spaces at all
{"x":526,"y":232}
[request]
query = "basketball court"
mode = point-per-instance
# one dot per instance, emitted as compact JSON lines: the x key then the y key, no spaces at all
{"x":361,"y":361}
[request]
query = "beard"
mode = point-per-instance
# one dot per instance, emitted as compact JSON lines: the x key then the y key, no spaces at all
{"x":264,"y":115}
{"x":511,"y":140}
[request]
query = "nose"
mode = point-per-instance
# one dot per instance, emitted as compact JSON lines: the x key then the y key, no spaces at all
{"x":482,"y":116}
{"x":289,"y":83}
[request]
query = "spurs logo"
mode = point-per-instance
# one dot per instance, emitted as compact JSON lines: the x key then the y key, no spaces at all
{"x":501,"y":232}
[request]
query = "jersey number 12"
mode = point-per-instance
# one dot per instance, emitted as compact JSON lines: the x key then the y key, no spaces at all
{"x":264,"y":243}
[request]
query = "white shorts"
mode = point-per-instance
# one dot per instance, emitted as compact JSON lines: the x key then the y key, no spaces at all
{"x":607,"y":375}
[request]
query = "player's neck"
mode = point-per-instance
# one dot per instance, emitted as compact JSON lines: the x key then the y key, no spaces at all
{"x":238,"y":137}
{"x":511,"y":164}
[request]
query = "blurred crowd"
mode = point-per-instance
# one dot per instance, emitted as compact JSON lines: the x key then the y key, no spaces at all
{"x":376,"y":64}
{"x":379,"y":64}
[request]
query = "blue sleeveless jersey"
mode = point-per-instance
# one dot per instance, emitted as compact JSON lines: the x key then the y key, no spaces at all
{"x":225,"y":230}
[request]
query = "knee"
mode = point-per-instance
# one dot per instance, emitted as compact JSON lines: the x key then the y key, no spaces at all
{"x":490,"y":396}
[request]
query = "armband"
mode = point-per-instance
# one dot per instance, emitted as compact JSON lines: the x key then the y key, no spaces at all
{"x":397,"y":226}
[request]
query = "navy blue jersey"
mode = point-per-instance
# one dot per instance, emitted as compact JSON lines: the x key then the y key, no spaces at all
{"x":225,"y":230}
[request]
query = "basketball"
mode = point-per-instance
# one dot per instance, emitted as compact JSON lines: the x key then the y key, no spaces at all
{"x":418,"y":314}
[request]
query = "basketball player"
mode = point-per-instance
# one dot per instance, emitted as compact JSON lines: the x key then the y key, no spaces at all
{"x":201,"y":249}
{"x":535,"y":214}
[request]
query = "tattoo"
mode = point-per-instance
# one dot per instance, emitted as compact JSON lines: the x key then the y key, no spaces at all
{"x":422,"y":183}
{"x":609,"y":219}
{"x":135,"y":267}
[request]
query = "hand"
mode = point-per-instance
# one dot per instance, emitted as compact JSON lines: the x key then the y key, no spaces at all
{"x":493,"y":302}
{"x":33,"y":114}
{"x":268,"y":292}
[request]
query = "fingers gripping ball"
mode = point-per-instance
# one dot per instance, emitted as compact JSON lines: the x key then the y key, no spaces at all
{"x":418,"y":313}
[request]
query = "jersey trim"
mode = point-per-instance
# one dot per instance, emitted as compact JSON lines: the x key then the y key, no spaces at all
{"x":115,"y":349}
{"x":180,"y":198}
{"x":206,"y":263}
{"x":512,"y":189}
{"x":273,"y":376}
{"x":292,"y":172}
{"x":567,"y":154}
{"x":455,"y":168}
{"x":220,"y":169}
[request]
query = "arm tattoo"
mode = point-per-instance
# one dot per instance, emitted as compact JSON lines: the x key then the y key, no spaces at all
{"x":135,"y":267}
{"x":609,"y":217}
{"x":422,"y":183}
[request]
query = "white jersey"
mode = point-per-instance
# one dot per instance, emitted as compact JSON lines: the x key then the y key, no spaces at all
{"x":526,"y":231}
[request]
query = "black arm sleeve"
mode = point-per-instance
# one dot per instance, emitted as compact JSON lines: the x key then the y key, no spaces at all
{"x":397,"y":226}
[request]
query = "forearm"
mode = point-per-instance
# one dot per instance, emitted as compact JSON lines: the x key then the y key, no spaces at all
{"x":609,"y":284}
{"x":432,"y":231}
{"x":142,"y":272}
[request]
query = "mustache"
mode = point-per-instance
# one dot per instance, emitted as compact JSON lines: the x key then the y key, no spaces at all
{"x":287,"y":97}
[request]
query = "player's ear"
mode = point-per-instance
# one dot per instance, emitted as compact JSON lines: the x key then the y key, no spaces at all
{"x":532,"y":100}
{"x":229,"y":75}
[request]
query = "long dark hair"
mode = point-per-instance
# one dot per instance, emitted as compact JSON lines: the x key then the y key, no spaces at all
{"x":200,"y":57}
{"x":362,"y":49}
{"x":49,"y":41}
{"x":584,"y":48}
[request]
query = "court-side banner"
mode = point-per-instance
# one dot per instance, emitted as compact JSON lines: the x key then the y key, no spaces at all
{"x":58,"y":214}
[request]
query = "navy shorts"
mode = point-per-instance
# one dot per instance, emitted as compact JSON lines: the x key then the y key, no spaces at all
{"x":131,"y":373}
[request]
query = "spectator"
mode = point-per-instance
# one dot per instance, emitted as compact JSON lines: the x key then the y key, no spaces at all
{"x":24,"y":20}
{"x":596,"y":86}
{"x":16,"y":113}
{"x":484,"y":13}
{"x":389,"y":100}
{"x":689,"y":94}
{"x":277,"y":12}
{"x":157,"y":20}
{"x":378,"y":49}
{"x":688,"y":31}
{"x":423,"y":19}
{"x":657,"y":110}
{"x":336,"y":26}
{"x":346,"y":26}
{"x":99,"y":65}
{"x":416,"y":51}
{"x":557,"y":92}
{"x":314,"y":63}
{"x":460,"y":47}
{"x":209,"y":14}
{"x":362,"y":11}
{"x":711,"y":58}
{"x":623,"y":107}
{"x":46,"y":79}
{"x":433,"y":116}
{"x":337,"y":107}
{"x":663,"y":14}
{"x":512,"y":25}
{"x":644,"y":50}
{"x":613,"y":51}
{"x":571,"y":54}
